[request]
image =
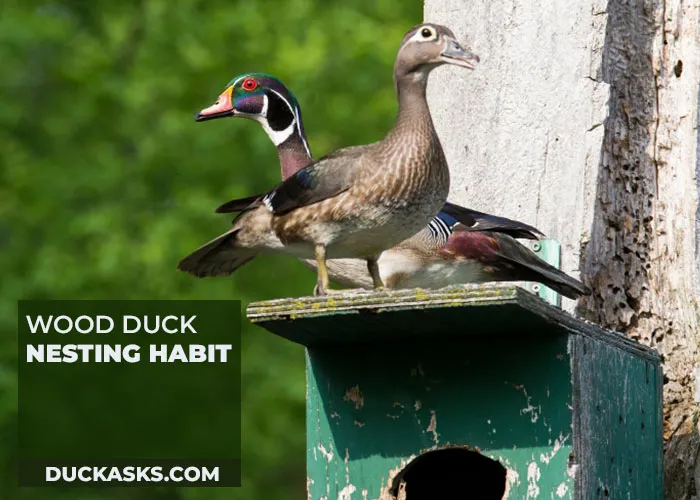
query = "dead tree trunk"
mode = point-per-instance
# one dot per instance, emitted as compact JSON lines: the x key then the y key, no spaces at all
{"x":583,"y":120}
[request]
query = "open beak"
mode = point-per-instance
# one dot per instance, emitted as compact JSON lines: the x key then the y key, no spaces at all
{"x":454,"y":53}
{"x":222,"y":108}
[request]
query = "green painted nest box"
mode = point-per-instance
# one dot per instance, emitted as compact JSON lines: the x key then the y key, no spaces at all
{"x":476,"y":392}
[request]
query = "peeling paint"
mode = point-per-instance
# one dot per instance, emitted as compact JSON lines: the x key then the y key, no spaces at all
{"x":417,"y":405}
{"x":364,"y":494}
{"x":335,"y":416}
{"x":386,"y":491}
{"x":355,"y":396}
{"x":347,"y":466}
{"x":345,"y":493}
{"x":533,"y":477}
{"x":504,"y":461}
{"x":309,"y":483}
{"x":359,"y":423}
{"x":534,"y":411}
{"x":490,"y":424}
{"x":401,"y":494}
{"x":401,"y":412}
{"x":562,"y":489}
{"x":512,"y":479}
{"x":558,"y":443}
{"x":433,"y":426}
{"x":326,"y":453}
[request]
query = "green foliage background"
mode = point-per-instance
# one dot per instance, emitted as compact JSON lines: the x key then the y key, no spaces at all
{"x":106,"y":181}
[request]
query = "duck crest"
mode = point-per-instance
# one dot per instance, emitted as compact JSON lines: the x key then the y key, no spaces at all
{"x":284,"y":125}
{"x":281,"y":119}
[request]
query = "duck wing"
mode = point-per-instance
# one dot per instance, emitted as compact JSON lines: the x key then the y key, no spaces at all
{"x":539,"y":270}
{"x":480,"y":221}
{"x":240,"y":204}
{"x":323,"y":179}
{"x":509,"y":260}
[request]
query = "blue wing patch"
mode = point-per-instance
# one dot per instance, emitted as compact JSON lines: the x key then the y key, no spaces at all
{"x":447,"y":219}
{"x":441,"y":227}
{"x":305,"y":178}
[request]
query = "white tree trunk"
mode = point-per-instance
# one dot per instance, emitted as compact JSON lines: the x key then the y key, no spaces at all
{"x":582,"y":120}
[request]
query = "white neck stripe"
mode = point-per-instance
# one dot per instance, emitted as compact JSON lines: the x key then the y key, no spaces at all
{"x":286,"y":133}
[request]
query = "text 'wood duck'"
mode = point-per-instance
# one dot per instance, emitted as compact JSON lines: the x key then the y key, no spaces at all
{"x":458,"y":246}
{"x":357,"y":201}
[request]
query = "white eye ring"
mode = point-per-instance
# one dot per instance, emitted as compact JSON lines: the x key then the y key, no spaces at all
{"x":425,"y":34}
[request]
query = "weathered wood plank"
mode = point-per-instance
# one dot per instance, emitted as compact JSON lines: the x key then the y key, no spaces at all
{"x":618,"y":422}
{"x":459,"y":311}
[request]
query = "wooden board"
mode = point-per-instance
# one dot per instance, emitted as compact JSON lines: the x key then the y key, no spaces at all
{"x":571,"y":410}
{"x":451,"y":312}
{"x":618,"y":422}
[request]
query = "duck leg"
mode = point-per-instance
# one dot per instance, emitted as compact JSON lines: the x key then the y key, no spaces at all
{"x":373,"y":269}
{"x":321,"y":287}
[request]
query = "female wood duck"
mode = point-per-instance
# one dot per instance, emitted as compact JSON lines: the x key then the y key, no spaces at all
{"x":358,"y":201}
{"x":459,"y":245}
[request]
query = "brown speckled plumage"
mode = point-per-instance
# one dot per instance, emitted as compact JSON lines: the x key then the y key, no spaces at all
{"x":358,"y":201}
{"x":460,"y":245}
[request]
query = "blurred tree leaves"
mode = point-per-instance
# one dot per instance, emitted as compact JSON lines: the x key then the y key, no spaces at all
{"x":106,"y":181}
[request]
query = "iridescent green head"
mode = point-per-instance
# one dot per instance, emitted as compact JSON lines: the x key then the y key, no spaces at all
{"x":262,"y":98}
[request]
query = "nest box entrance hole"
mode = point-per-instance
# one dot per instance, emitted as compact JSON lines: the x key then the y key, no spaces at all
{"x":450,"y":473}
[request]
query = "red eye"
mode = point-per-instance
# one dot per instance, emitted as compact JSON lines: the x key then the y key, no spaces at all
{"x":249,"y":84}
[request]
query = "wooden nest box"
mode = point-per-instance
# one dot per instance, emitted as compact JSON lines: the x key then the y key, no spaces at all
{"x":477,"y":392}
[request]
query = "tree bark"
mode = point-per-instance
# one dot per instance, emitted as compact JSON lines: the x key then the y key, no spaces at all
{"x":582,"y":120}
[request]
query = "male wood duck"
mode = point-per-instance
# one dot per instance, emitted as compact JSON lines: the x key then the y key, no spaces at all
{"x":459,"y":245}
{"x":358,"y":201}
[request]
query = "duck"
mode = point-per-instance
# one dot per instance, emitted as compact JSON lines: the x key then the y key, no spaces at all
{"x":459,"y":245}
{"x":357,"y":201}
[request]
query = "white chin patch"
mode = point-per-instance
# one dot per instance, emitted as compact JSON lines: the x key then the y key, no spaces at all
{"x":278,"y":136}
